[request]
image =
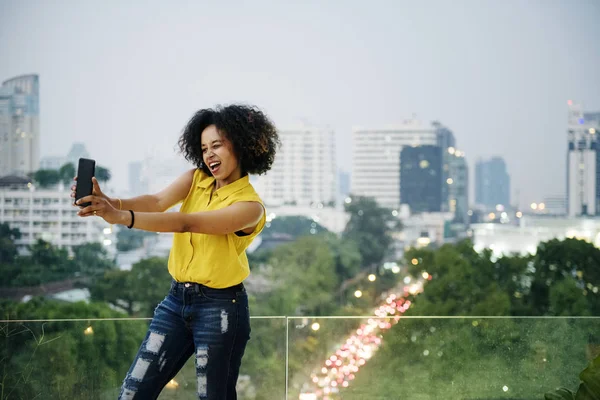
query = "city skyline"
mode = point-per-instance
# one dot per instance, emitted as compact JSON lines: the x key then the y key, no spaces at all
{"x":500,"y":83}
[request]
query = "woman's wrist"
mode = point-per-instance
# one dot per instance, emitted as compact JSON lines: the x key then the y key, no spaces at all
{"x":116,"y":203}
{"x":124,"y":217}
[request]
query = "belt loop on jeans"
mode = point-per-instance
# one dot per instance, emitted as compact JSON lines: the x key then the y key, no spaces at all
{"x":196,"y":286}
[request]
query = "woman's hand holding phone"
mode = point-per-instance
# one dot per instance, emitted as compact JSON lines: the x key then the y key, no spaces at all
{"x":101,"y":206}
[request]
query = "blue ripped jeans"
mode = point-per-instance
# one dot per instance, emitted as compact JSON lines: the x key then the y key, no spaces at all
{"x":212,"y":324}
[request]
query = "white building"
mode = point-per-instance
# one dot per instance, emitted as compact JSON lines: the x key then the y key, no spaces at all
{"x":376,"y":159}
{"x":552,"y":205}
{"x":423,"y":229}
{"x":155,"y":172}
{"x":504,"y":239}
{"x":48,"y":214}
{"x":19,"y":126}
{"x":583,"y":176}
{"x":304,"y":171}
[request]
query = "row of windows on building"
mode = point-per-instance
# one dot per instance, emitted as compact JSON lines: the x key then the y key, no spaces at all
{"x":26,"y":237}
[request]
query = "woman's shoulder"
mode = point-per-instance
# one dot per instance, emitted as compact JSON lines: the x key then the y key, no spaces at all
{"x":250,"y":192}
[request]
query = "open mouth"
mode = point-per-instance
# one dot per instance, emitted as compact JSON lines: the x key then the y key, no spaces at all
{"x":214,"y":166}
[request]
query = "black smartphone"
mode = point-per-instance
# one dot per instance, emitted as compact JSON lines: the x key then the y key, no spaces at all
{"x":85,"y":172}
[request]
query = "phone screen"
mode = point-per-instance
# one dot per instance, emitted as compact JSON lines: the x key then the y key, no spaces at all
{"x":85,"y":172}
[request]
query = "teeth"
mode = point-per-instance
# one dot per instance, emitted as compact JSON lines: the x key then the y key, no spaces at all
{"x":212,"y":165}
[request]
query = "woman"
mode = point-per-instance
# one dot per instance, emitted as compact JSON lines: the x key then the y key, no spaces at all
{"x":205,"y":313}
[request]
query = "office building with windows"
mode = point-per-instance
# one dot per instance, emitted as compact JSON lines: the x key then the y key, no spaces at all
{"x":583,"y":161}
{"x":19,"y":126}
{"x":376,"y":159}
{"x":48,"y":214}
{"x":304,"y":172}
{"x":492,"y":183}
{"x":421,"y":177}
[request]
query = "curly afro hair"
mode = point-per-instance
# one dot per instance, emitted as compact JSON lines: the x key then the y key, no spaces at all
{"x":250,"y":131}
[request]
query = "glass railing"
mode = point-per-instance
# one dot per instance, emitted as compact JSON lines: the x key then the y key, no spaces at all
{"x":88,"y":359}
{"x":437,"y":357}
{"x":317,"y":358}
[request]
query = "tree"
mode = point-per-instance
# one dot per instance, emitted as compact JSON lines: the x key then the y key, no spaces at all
{"x":8,"y":254}
{"x":556,"y":261}
{"x":304,"y":279}
{"x":462,"y":282}
{"x":92,"y":260}
{"x":45,"y":263}
{"x":346,"y":254}
{"x":46,"y":177}
{"x":116,"y":288}
{"x":295,"y":226}
{"x":151,"y":281}
{"x":130,"y":239}
{"x":565,"y":299}
{"x":66,"y":173}
{"x":102,"y":174}
{"x":65,"y":359}
{"x":138,"y":291}
{"x":370,"y":227}
{"x":8,"y":248}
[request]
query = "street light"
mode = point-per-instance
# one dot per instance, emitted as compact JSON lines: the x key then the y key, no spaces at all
{"x":172,"y":384}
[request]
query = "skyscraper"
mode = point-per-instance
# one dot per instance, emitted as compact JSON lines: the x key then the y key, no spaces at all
{"x":492,"y":183}
{"x":583,"y":162}
{"x":457,"y":184}
{"x":447,"y":142}
{"x":421,"y":177}
{"x":304,"y":171}
{"x":19,"y":126}
{"x":376,"y":159}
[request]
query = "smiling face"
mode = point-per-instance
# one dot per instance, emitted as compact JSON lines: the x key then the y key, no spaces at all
{"x":219,"y":157}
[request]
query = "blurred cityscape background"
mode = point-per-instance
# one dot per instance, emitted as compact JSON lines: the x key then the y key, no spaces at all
{"x":440,"y":161}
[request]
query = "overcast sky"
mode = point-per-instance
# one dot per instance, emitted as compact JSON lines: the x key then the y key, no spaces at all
{"x":125,"y":76}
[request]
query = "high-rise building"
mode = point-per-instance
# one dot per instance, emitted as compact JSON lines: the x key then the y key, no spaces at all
{"x":457,"y":185}
{"x":583,"y":162}
{"x":304,"y":171}
{"x":421,"y":177}
{"x":447,"y":142}
{"x":376,"y":159}
{"x":492,"y":183}
{"x":19,"y":126}
{"x":445,"y":137}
